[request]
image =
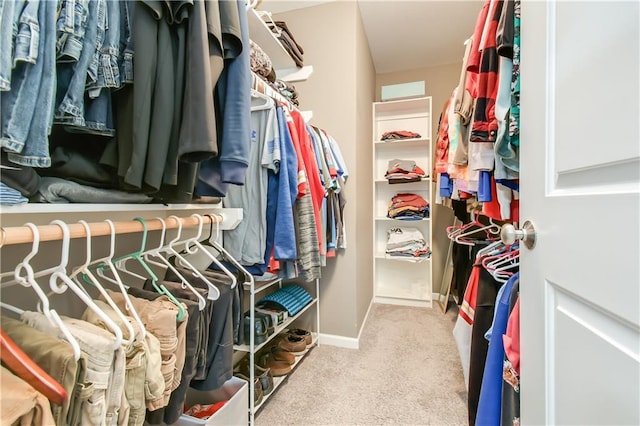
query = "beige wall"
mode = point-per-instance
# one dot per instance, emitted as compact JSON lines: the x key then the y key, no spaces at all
{"x":439,"y":83}
{"x":340,"y":92}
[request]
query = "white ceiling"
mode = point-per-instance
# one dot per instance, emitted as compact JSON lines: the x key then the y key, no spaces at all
{"x":408,"y":34}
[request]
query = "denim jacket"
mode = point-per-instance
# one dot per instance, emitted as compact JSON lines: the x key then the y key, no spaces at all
{"x":70,"y":29}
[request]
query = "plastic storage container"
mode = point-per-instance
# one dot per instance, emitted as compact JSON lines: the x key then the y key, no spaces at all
{"x":234,"y":412}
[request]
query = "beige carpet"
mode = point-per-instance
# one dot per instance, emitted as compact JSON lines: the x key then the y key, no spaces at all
{"x":406,"y":372}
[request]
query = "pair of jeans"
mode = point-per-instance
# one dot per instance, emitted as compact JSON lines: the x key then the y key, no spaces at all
{"x":159,"y":319}
{"x":125,"y":58}
{"x":56,"y":357}
{"x":105,"y":62}
{"x":8,"y":30}
{"x":72,"y":76}
{"x":26,"y":110}
{"x":183,"y":293}
{"x":143,"y":380}
{"x":97,"y":346}
{"x":22,"y":404}
{"x":219,"y":362}
{"x":188,"y":331}
{"x":70,"y":29}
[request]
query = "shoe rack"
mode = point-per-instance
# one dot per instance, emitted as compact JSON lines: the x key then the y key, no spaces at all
{"x":307,"y":318}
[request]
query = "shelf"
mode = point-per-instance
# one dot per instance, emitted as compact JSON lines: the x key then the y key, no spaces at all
{"x":261,"y":285}
{"x":402,"y":143}
{"x":384,"y":256}
{"x":415,"y":104}
{"x":278,"y":329}
{"x":390,"y":219}
{"x":385,"y":181}
{"x":281,"y":61}
{"x":277,"y":381}
{"x":232,"y":216}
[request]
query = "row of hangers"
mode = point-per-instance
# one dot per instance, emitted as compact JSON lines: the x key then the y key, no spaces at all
{"x":500,"y":260}
{"x":110,"y":270}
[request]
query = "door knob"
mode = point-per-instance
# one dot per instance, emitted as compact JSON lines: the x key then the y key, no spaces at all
{"x":509,"y":234}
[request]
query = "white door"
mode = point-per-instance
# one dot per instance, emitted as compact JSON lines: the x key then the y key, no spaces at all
{"x":580,"y":171}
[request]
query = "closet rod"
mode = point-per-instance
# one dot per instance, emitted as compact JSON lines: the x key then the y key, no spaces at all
{"x":22,"y":234}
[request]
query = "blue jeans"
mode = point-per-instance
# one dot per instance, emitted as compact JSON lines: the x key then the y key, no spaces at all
{"x":27,"y":109}
{"x":125,"y":59}
{"x":72,"y":77}
{"x":8,"y":30}
{"x":70,"y":29}
{"x":101,"y":20}
{"x":108,"y":74}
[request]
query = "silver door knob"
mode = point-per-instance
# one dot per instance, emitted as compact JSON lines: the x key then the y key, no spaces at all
{"x":509,"y":234}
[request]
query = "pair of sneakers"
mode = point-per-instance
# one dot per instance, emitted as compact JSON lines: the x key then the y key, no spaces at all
{"x":263,"y":379}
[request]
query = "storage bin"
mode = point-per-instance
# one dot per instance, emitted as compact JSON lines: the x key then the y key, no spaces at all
{"x":234,"y":412}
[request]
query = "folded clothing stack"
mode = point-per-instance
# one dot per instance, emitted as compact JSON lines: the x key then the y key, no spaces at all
{"x":403,"y":171}
{"x":280,"y":29}
{"x":261,"y":63}
{"x":399,"y":134}
{"x":407,"y":242}
{"x":292,"y":298}
{"x":10,"y":196}
{"x":287,"y":90}
{"x":408,"y":206}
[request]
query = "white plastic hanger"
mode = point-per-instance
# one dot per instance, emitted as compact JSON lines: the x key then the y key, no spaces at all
{"x":202,"y":249}
{"x":85,"y":271}
{"x":164,"y":263}
{"x":28,"y":280}
{"x":214,"y":243}
{"x":214,"y":293}
{"x":60,"y":274}
{"x":108,"y":263}
{"x":266,"y":104}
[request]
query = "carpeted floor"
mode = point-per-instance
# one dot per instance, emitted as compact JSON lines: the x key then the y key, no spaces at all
{"x":406,"y":372}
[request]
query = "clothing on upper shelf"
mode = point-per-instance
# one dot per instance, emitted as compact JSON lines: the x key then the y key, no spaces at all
{"x":261,"y":63}
{"x":10,"y":196}
{"x":399,"y":134}
{"x":408,"y":206}
{"x":188,"y":98}
{"x":286,"y":38}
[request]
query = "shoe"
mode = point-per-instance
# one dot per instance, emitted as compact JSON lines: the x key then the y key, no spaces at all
{"x":294,"y":344}
{"x":260,"y":330}
{"x":277,"y":368}
{"x":280,"y":354}
{"x":263,"y":375}
{"x":267,"y":320}
{"x":258,"y":394}
{"x":302,"y":333}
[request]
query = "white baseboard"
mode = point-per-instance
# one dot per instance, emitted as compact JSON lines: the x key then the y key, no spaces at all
{"x":339,"y":341}
{"x":403,"y":302}
{"x":364,"y":321}
{"x":345,"y":342}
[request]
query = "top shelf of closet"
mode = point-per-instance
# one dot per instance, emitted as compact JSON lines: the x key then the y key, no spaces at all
{"x":232,"y":216}
{"x":283,"y":64}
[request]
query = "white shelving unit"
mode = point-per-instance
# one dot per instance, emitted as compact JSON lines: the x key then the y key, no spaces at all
{"x":400,"y":280}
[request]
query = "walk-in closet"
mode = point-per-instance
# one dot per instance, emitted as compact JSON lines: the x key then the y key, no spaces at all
{"x":269,"y":212}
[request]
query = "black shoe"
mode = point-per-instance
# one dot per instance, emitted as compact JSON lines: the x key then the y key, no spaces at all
{"x":260,"y":329}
